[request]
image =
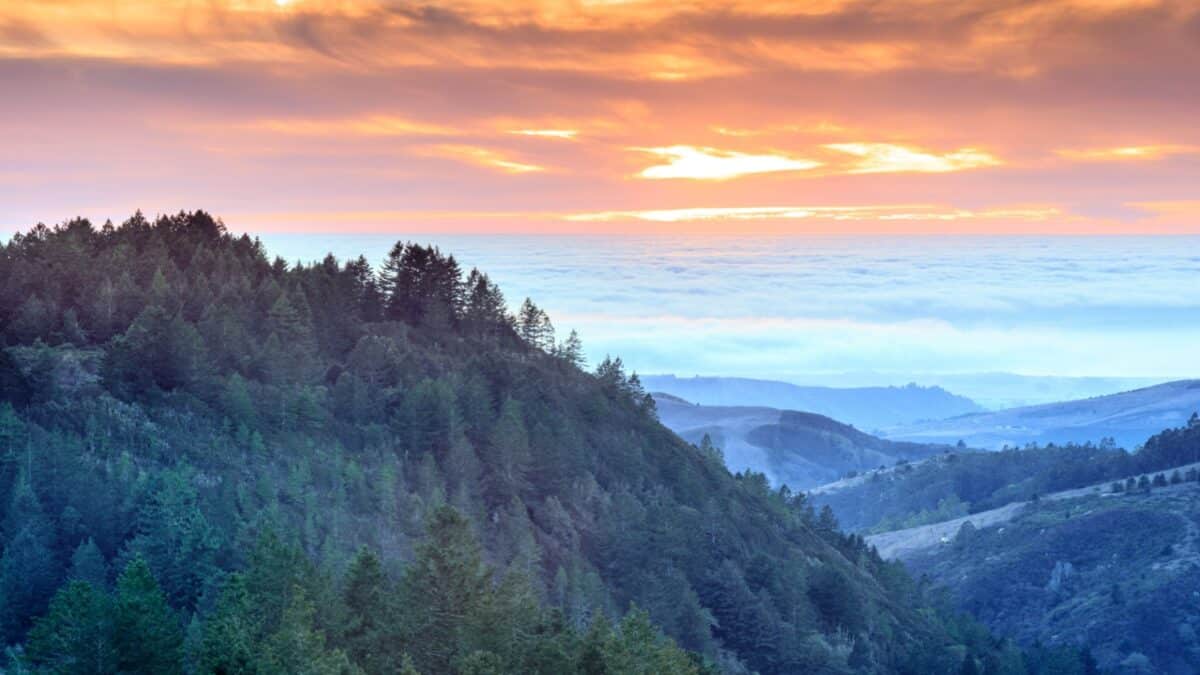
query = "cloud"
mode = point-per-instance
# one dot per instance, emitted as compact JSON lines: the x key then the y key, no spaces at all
{"x":483,"y":157}
{"x":685,"y":161}
{"x":923,"y":212}
{"x":340,"y":106}
{"x":372,"y":125}
{"x":1128,"y":152}
{"x":891,"y":158}
{"x":565,"y":134}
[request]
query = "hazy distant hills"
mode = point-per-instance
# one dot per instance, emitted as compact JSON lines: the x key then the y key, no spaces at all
{"x":1128,"y":417}
{"x":864,"y":407}
{"x":799,"y":449}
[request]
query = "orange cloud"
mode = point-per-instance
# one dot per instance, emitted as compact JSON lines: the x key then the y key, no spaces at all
{"x":686,"y":161}
{"x":372,"y":125}
{"x":892,"y":158}
{"x":1128,"y":152}
{"x":336,"y":105}
{"x":483,"y":157}
{"x":566,"y":134}
{"x":928,"y":212}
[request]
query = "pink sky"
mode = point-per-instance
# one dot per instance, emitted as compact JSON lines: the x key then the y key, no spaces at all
{"x":832,"y":116}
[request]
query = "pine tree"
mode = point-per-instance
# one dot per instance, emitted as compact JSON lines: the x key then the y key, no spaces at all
{"x":149,"y":638}
{"x":297,"y":647}
{"x":444,"y":589}
{"x":367,"y":621}
{"x":229,"y":643}
{"x":76,"y":636}
{"x":88,"y":565}
{"x":484,"y":311}
{"x":509,"y":455}
{"x":572,"y":350}
{"x":176,"y":539}
{"x":29,"y":570}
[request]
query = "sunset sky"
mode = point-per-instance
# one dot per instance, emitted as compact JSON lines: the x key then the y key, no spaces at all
{"x":606,"y":116}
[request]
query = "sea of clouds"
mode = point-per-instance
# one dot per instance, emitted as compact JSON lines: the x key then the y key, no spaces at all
{"x":849,"y":310}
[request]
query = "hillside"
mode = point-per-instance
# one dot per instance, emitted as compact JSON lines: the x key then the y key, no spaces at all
{"x":800,"y":450}
{"x":1129,"y":418}
{"x":1118,"y":572}
{"x":864,"y":407}
{"x":215,"y":462}
{"x":1086,"y":545}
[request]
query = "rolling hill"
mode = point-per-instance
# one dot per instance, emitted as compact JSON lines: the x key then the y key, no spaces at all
{"x":797,"y":449}
{"x":1128,"y":417}
{"x":1118,"y":572}
{"x":864,"y":407}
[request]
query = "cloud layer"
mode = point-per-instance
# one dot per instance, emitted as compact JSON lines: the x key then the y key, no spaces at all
{"x":480,"y":115}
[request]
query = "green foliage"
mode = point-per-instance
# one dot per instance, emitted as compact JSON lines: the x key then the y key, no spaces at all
{"x":77,"y":634}
{"x":149,"y":637}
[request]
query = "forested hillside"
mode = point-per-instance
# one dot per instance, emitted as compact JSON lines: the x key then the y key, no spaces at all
{"x":215,"y":462}
{"x":1114,"y":568}
{"x":963,"y":481}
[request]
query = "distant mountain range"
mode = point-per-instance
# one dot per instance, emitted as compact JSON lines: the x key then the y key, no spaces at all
{"x":864,"y":407}
{"x":1128,"y":417}
{"x":799,"y":449}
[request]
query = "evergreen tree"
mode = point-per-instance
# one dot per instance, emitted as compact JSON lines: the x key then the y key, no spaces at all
{"x":572,"y":350}
{"x":509,"y":455}
{"x":367,"y":621}
{"x":297,"y":647}
{"x":76,"y":636}
{"x":444,"y":589}
{"x":149,"y":637}
{"x":88,"y":565}
{"x":229,"y":643}
{"x":29,"y":570}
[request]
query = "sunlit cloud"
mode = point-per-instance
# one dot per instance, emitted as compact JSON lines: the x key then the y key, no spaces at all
{"x":340,"y":105}
{"x":483,"y":157}
{"x":1128,"y":152}
{"x":566,"y":134}
{"x":823,"y":127}
{"x":928,"y":212}
{"x":686,"y":161}
{"x":892,"y":158}
{"x":373,"y":125}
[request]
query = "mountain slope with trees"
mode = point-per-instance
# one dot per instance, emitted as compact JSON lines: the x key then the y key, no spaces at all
{"x":216,"y":462}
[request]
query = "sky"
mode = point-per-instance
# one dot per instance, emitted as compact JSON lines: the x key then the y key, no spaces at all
{"x":606,"y":116}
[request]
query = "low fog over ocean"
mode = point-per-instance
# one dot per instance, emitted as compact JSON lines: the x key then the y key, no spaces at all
{"x":1087,"y":315}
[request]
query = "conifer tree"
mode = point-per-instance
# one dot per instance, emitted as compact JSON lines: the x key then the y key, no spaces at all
{"x":229,"y":643}
{"x":88,"y":565}
{"x":149,"y":638}
{"x":76,"y":636}
{"x":367,"y":623}
{"x":444,"y":589}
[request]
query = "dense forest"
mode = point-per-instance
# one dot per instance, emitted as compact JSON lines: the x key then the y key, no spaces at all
{"x":215,"y":462}
{"x":962,"y":482}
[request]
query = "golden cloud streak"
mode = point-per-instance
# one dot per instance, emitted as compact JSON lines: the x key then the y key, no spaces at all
{"x":686,"y":161}
{"x":928,"y":212}
{"x":373,"y":125}
{"x":565,"y":134}
{"x":1128,"y":152}
{"x":483,"y":157}
{"x":892,"y":158}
